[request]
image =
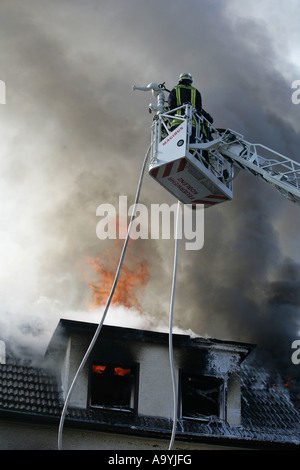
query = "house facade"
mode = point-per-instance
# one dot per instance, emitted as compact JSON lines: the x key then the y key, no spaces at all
{"x":123,"y":398}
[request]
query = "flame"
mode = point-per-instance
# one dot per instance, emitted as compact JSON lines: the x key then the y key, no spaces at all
{"x":98,"y":369}
{"x":117,"y":370}
{"x":122,"y":372}
{"x":133,"y":279}
{"x":288,"y":383}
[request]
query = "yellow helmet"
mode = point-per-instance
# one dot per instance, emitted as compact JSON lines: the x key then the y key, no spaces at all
{"x":186,"y":76}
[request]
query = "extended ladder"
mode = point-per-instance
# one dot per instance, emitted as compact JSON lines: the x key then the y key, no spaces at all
{"x":275,"y":168}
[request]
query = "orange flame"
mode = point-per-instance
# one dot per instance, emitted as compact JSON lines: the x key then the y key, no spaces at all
{"x":98,"y":369}
{"x":122,"y":372}
{"x":117,"y":370}
{"x":288,"y":383}
{"x":133,"y":279}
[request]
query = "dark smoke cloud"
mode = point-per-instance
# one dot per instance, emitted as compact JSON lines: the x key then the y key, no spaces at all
{"x":75,"y":136}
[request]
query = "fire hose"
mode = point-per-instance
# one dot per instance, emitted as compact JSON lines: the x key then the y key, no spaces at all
{"x":99,"y":327}
{"x":171,"y":354}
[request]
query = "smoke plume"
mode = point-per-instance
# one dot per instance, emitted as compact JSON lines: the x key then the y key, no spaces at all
{"x":74,"y":135}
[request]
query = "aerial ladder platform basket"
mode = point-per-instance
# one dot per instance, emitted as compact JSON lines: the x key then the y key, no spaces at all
{"x":197,"y":163}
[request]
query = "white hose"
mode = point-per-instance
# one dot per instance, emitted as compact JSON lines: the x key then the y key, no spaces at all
{"x":94,"y":339}
{"x":171,"y":355}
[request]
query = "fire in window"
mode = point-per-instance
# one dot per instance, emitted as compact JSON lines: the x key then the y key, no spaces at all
{"x":113,"y":386}
{"x":200,"y":396}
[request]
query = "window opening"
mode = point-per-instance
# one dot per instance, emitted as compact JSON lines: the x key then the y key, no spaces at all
{"x":201,"y":396}
{"x":113,"y":386}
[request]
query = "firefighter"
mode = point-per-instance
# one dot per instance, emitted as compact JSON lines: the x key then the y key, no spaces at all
{"x":184,"y":93}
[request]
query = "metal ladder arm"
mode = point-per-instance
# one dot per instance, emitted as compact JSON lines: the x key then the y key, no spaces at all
{"x":278,"y":170}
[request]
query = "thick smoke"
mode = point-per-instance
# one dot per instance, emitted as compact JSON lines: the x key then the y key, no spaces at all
{"x":74,"y":136}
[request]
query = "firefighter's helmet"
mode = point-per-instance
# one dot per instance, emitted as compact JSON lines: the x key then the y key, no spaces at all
{"x":186,"y":76}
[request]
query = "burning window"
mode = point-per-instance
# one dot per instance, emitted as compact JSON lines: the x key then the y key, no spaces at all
{"x":200,"y":396}
{"x":114,"y":386}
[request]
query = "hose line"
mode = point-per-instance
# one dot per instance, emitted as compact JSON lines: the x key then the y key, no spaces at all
{"x":94,"y":339}
{"x":171,"y":353}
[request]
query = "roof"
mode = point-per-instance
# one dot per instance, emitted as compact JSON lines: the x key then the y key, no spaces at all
{"x":131,"y":334}
{"x":269,"y":417}
{"x":27,"y":390}
{"x":268,"y":410}
{"x":31,"y":394}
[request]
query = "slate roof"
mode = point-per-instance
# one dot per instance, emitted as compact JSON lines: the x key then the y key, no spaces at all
{"x":269,"y":415}
{"x":268,"y":410}
{"x":28,"y":390}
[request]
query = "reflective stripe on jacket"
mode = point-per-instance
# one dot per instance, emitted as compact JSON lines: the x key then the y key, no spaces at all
{"x":182,"y":94}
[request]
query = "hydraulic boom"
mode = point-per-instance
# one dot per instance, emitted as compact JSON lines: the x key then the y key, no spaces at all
{"x":276,"y":169}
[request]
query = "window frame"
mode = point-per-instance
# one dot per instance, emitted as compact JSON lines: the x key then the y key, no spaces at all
{"x":135,"y":392}
{"x":221,"y":398}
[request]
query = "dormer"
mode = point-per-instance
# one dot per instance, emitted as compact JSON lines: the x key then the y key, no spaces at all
{"x":128,"y":371}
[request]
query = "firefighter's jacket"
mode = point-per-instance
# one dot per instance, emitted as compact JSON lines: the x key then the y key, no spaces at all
{"x":182,"y":94}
